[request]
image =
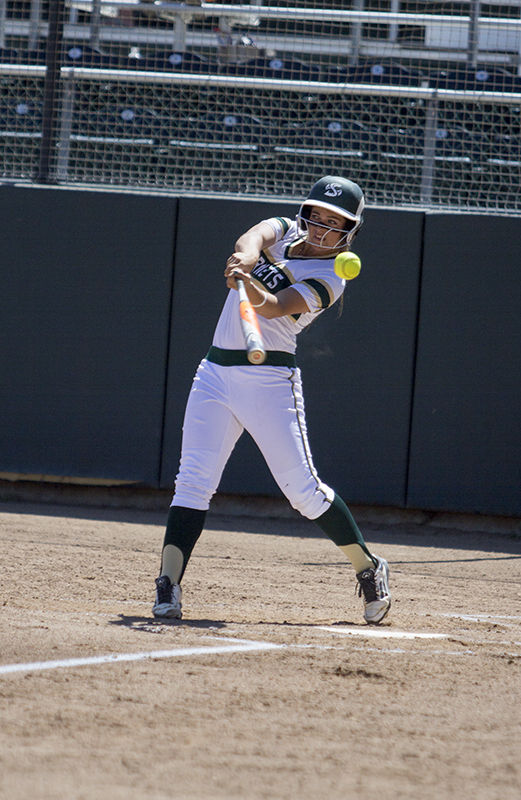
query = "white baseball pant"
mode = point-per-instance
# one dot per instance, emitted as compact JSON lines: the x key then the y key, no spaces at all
{"x":268,"y":403}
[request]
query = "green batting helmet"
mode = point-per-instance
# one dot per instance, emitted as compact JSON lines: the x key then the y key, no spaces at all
{"x":341,"y":196}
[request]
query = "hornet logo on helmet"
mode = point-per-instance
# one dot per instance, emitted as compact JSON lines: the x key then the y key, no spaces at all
{"x":333,"y":190}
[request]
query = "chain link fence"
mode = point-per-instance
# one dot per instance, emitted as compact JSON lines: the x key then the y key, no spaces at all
{"x":420,"y":102}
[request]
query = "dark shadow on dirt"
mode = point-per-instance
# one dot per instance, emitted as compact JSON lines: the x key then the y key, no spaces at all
{"x":151,"y":625}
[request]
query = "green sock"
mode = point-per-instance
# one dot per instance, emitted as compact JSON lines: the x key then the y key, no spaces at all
{"x":338,"y":523}
{"x":183,"y":528}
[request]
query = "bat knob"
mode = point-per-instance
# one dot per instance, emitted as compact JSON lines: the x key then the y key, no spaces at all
{"x":256,"y":356}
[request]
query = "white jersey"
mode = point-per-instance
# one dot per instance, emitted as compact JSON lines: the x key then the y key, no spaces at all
{"x":277,"y":269}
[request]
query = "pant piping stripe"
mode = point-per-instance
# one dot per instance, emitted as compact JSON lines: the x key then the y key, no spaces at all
{"x":303,"y":434}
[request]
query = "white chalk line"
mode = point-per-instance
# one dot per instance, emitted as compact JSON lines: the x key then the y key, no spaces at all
{"x":382,"y":633}
{"x":240,"y":646}
{"x":236,"y":645}
{"x":387,"y":633}
{"x":412,"y":652}
{"x":480,"y":617}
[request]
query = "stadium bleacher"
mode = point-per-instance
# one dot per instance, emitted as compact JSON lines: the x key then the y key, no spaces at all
{"x":195,"y":107}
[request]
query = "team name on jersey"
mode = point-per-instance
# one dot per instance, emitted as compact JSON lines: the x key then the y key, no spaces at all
{"x":270,"y":275}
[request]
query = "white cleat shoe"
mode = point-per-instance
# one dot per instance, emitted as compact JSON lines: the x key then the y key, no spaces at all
{"x":168,"y":598}
{"x":373,"y":584}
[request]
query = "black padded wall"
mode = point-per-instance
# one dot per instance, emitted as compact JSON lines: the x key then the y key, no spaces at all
{"x":86,"y":285}
{"x":466,"y":431}
{"x":110,"y":301}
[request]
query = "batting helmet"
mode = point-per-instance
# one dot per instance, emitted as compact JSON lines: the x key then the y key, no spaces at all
{"x":341,"y":196}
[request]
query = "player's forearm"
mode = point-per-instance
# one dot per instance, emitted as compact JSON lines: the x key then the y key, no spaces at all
{"x":265,"y":304}
{"x":253,"y":241}
{"x":270,"y":306}
{"x":250,"y":244}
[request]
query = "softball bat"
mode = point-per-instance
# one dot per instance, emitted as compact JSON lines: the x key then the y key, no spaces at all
{"x":250,"y":327}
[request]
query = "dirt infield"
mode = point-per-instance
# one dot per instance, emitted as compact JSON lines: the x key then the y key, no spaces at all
{"x":271,"y":686}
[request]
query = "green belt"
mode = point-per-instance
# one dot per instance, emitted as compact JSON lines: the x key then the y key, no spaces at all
{"x":239,"y":358}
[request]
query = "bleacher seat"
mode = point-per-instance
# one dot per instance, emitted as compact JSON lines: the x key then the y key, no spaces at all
{"x":82,"y":55}
{"x":475,"y":79}
{"x":504,"y":150}
{"x":79,"y":54}
{"x":277,"y":68}
{"x":37,"y":55}
{"x":402,"y":143}
{"x":226,"y":131}
{"x":23,"y":116}
{"x":173,"y":61}
{"x":456,"y":145}
{"x":338,"y":73}
{"x":9,"y":55}
{"x":118,"y":122}
{"x":496,"y":80}
{"x":452,"y":144}
{"x":385,"y":72}
{"x":328,"y":136}
{"x":136,"y":121}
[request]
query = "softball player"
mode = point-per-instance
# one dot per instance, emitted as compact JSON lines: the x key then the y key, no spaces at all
{"x":288,"y":270}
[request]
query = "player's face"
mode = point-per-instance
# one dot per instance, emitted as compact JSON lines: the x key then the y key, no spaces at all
{"x":325,"y":228}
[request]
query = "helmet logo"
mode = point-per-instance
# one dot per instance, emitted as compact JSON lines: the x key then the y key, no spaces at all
{"x":333,"y":190}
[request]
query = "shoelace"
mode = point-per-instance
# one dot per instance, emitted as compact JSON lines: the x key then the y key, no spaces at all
{"x":367,"y":585}
{"x":164,"y":590}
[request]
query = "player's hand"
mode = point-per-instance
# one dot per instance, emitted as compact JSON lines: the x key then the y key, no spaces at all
{"x":234,"y":272}
{"x":242,"y":261}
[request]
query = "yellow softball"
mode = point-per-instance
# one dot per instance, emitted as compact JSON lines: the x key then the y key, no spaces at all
{"x":347,"y":266}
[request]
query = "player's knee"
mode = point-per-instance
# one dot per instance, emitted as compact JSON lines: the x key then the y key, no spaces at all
{"x":308,"y":495}
{"x":196,"y":483}
{"x":192,"y":496}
